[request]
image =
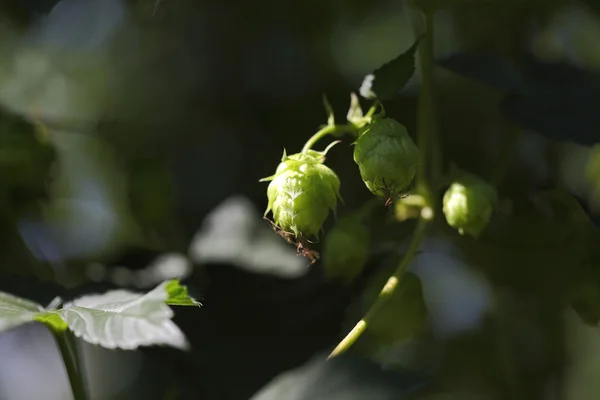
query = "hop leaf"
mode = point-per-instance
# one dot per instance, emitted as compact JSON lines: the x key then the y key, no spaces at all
{"x":403,"y":316}
{"x":387,"y":81}
{"x":116,"y":319}
{"x":386,"y":156}
{"x":302,"y":193}
{"x":468,"y":204}
{"x":346,"y":248}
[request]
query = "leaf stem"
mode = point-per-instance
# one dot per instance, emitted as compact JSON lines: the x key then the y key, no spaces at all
{"x":329,"y":130}
{"x":387,"y":291}
{"x":69,"y":356}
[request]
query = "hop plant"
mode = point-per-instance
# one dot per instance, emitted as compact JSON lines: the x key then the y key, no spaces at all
{"x":346,"y":248}
{"x":302,"y":193}
{"x":386,"y":156}
{"x":468,"y":204}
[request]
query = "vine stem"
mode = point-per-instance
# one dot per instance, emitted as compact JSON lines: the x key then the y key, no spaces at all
{"x":426,"y":125}
{"x":425,"y":116}
{"x":387,"y":291}
{"x":69,"y":355}
{"x":328,"y":130}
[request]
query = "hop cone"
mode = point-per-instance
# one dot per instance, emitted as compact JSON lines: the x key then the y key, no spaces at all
{"x":386,"y":156}
{"x":302,"y":193}
{"x":468,"y":204}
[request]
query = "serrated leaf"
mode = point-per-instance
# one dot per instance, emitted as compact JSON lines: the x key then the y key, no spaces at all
{"x":387,"y":81}
{"x":178,"y":295}
{"x":126,"y":320}
{"x":15,"y":311}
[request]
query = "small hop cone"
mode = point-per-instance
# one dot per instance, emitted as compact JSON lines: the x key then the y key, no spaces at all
{"x":346,"y":249}
{"x":468,"y":205}
{"x":302,"y":193}
{"x":386,"y":156}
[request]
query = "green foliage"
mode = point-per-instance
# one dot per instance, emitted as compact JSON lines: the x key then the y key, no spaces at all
{"x":404,"y":314}
{"x":533,"y":247}
{"x":177,"y":295}
{"x":116,"y":319}
{"x":346,"y":248}
{"x":536,"y":248}
{"x":387,"y":81}
{"x":15,"y":311}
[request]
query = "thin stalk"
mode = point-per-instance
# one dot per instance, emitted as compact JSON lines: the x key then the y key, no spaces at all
{"x":328,"y":130}
{"x":69,"y":358}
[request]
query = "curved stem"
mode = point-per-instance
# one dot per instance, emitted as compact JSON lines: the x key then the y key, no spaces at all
{"x":328,"y":130}
{"x":69,"y":357}
{"x":386,"y":292}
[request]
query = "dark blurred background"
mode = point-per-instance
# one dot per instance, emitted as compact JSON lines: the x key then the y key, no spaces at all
{"x":162,"y":116}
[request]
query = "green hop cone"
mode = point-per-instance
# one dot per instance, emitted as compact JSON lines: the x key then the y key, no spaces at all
{"x":346,"y":248}
{"x":302,"y":193}
{"x":386,"y":156}
{"x":468,"y":204}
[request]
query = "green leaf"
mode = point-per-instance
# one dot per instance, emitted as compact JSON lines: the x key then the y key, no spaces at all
{"x":178,"y":295}
{"x":127,"y":320}
{"x":387,"y":81}
{"x":15,"y":311}
{"x":538,"y":246}
{"x":403,"y":316}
